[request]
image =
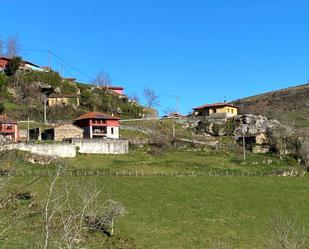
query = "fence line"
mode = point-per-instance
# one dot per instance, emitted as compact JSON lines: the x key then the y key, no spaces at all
{"x":102,"y":173}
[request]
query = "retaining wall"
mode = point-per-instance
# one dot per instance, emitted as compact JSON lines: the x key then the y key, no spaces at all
{"x":54,"y":150}
{"x":70,"y":149}
{"x":101,"y":146}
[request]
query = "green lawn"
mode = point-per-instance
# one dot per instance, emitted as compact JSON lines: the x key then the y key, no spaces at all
{"x":164,"y":212}
{"x":172,"y":162}
{"x":180,"y":212}
{"x":181,"y":161}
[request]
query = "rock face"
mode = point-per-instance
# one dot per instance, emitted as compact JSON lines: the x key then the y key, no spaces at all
{"x":261,"y":134}
{"x":253,"y":124}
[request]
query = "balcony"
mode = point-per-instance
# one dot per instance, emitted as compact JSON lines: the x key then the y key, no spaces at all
{"x":99,"y":132}
{"x":7,"y":129}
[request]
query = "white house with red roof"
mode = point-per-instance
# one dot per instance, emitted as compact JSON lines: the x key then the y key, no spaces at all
{"x":24,"y":65}
{"x":98,"y":125}
{"x":8,"y":129}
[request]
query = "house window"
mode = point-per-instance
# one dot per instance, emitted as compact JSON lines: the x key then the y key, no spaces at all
{"x":112,"y":130}
{"x":228,"y":109}
{"x":232,"y":110}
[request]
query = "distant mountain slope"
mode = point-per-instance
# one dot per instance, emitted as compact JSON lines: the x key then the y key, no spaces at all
{"x":290,"y":104}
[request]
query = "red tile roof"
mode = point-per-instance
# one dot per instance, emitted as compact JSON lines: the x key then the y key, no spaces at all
{"x":97,"y":115}
{"x":5,"y":58}
{"x":59,"y":95}
{"x":6,"y":120}
{"x":112,"y":87}
{"x":22,"y":62}
{"x":219,"y":104}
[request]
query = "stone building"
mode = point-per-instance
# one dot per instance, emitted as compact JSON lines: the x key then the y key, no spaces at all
{"x":63,"y":132}
{"x":56,"y":99}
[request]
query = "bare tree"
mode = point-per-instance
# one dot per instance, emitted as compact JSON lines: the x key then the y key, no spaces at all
{"x":102,"y":79}
{"x":72,"y":212}
{"x":134,"y":97}
{"x":170,"y":111}
{"x":287,"y":233}
{"x":151,"y":98}
{"x":13,"y":46}
{"x":304,"y":151}
{"x":1,"y":47}
{"x":50,"y":209}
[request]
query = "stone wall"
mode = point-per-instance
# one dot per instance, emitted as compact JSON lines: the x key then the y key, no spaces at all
{"x":105,"y":146}
{"x":54,"y":150}
{"x":70,"y":149}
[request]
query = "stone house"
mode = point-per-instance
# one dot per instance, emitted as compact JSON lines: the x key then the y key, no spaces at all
{"x":56,"y":99}
{"x":63,"y":132}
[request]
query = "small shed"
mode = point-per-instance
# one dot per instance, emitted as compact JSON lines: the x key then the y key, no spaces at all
{"x":63,"y":132}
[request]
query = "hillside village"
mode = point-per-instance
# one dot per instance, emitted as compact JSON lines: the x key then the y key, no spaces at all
{"x":97,"y":129}
{"x":154,"y":124}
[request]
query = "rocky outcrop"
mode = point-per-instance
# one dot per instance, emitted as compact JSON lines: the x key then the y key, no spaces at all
{"x":253,"y":124}
{"x":261,"y":134}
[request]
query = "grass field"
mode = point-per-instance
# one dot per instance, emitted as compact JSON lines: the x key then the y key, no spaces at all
{"x":181,"y":161}
{"x":163,"y":212}
{"x":180,"y":212}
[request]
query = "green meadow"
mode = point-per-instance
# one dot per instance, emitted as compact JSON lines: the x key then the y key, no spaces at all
{"x":173,"y":211}
{"x":176,"y":212}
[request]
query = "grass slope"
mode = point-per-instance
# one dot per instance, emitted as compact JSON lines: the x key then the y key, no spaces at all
{"x":290,"y":104}
{"x":183,"y":212}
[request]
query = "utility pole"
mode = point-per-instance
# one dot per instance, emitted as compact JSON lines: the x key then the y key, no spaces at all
{"x":28,"y":130}
{"x":244,"y":145}
{"x":177,"y":113}
{"x":49,"y":58}
{"x":45,"y":99}
{"x":244,"y":142}
{"x":174,"y":131}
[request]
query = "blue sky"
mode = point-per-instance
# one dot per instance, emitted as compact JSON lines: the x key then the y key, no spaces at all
{"x":200,"y":51}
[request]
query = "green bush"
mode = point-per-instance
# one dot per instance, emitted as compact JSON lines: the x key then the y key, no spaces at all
{"x":230,"y":126}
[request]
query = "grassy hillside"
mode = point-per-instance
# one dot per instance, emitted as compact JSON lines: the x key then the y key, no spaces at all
{"x":21,"y":95}
{"x":177,"y":211}
{"x":172,"y":213}
{"x":290,"y":104}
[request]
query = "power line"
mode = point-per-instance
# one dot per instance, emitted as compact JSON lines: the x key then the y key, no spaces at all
{"x":72,"y":66}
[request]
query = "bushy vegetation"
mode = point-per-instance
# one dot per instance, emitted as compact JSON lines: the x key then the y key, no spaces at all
{"x":21,"y":95}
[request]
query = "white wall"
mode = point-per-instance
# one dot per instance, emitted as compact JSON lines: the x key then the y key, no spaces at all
{"x":54,"y":150}
{"x":115,"y":133}
{"x":102,"y":146}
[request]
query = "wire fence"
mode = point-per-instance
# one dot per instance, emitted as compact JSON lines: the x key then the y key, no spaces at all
{"x":106,"y":173}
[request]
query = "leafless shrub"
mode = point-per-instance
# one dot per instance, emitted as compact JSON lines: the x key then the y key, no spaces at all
{"x":102,"y":79}
{"x":287,"y":233}
{"x":151,"y":98}
{"x":304,"y":152}
{"x":66,"y":214}
{"x":104,"y":222}
{"x":1,"y":47}
{"x":13,"y":46}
